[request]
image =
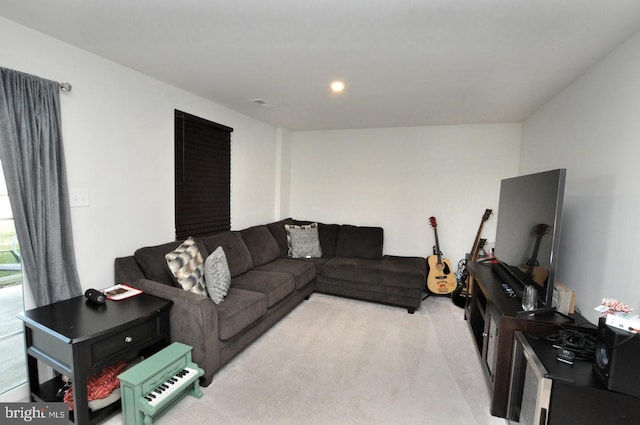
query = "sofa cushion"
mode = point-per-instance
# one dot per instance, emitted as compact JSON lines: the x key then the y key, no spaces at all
{"x":240,"y":309}
{"x":405,"y":272}
{"x":328,"y":234}
{"x":352,"y":269}
{"x":303,"y":272}
{"x":280,"y":235}
{"x":237,"y":253}
{"x":274,"y":285}
{"x":261,"y":244}
{"x":359,"y":242}
{"x":303,"y":240}
{"x":187,"y":265}
{"x":401,"y":272}
{"x":409,"y":298}
{"x":153,"y":264}
{"x":217,"y":276}
{"x":317,"y":262}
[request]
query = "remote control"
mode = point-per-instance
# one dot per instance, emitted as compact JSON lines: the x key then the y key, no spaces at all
{"x":565,"y":356}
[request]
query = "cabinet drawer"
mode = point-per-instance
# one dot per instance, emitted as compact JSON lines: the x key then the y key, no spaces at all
{"x":118,"y":344}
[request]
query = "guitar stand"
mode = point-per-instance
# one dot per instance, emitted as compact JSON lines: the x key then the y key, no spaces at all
{"x":428,"y":293}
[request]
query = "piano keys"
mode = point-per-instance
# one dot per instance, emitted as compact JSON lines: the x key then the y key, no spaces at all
{"x":153,"y":386}
{"x":166,"y":389}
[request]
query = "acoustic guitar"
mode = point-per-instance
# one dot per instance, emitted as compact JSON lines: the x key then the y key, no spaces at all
{"x":462,"y":292}
{"x":440,"y":280}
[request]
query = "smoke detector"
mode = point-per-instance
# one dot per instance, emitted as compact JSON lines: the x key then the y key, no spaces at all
{"x":261,"y":102}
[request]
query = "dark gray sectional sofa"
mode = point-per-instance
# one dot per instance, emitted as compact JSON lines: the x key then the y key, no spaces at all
{"x":266,"y":284}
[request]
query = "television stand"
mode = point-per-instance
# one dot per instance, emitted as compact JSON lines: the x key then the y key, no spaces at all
{"x":493,"y":318}
{"x":543,"y":311}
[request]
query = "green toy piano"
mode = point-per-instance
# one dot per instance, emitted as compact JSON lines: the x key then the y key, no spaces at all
{"x":153,"y":386}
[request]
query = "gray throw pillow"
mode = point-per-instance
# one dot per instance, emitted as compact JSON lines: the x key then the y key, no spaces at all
{"x":217,"y":276}
{"x":187,"y":265}
{"x":303,"y":240}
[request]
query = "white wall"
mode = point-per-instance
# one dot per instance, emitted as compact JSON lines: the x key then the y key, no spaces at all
{"x":398,"y":177}
{"x":118,"y":129}
{"x":118,"y":136}
{"x":283,"y":173}
{"x":593,"y":129}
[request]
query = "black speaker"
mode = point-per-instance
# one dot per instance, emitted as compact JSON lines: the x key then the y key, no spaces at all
{"x":95,"y":296}
{"x":617,"y":359}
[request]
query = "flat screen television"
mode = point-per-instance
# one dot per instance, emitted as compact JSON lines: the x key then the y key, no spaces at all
{"x":528,"y":230}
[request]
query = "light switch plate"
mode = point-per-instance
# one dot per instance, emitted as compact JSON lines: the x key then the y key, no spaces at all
{"x":79,"y":197}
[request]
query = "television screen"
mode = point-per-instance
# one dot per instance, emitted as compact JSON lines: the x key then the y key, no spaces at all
{"x":528,"y":227}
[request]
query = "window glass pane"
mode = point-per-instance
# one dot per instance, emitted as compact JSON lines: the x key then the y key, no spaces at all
{"x":12,"y":356}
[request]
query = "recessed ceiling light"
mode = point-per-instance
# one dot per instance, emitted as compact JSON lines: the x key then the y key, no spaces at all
{"x":337,"y":86}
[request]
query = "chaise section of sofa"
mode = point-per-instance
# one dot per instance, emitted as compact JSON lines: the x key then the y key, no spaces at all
{"x":390,"y":280}
{"x":353,"y":265}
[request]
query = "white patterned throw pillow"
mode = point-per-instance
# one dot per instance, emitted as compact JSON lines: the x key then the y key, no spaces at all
{"x":217,"y":276}
{"x":187,"y":265}
{"x":303,"y":240}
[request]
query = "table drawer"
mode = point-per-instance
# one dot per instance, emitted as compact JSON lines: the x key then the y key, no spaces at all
{"x":118,"y":344}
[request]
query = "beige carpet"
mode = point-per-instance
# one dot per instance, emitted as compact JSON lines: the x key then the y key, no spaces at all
{"x":339,"y":361}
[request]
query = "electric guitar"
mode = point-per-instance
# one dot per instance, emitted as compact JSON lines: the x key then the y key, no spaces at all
{"x":532,"y":268}
{"x":459,"y":296}
{"x":440,"y":280}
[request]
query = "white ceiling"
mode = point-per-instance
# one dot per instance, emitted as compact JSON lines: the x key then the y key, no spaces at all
{"x":405,"y":62}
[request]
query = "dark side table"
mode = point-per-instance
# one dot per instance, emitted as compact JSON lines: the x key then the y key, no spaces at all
{"x":78,"y":338}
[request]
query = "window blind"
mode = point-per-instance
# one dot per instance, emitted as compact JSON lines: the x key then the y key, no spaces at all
{"x":202,"y":176}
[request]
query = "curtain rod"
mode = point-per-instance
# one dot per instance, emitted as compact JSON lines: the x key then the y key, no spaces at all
{"x":65,"y":86}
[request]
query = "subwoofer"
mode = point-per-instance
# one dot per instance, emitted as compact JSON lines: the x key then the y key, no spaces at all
{"x":617,"y":359}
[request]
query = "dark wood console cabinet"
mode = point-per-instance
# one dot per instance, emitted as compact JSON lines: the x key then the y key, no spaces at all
{"x":493,"y":320}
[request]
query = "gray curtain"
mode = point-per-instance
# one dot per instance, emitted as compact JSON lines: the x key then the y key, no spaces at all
{"x":34,"y":168}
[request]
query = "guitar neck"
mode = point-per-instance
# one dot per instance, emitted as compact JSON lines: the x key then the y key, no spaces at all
{"x":475,"y":250}
{"x":534,"y":256}
{"x":476,"y":245}
{"x":541,"y":230}
{"x":435,"y":232}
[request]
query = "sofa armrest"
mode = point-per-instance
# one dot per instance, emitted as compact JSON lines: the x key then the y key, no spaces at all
{"x":193,"y":321}
{"x":126,"y":270}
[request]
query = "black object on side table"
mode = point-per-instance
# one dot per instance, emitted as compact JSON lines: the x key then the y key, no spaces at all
{"x":78,"y":338}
